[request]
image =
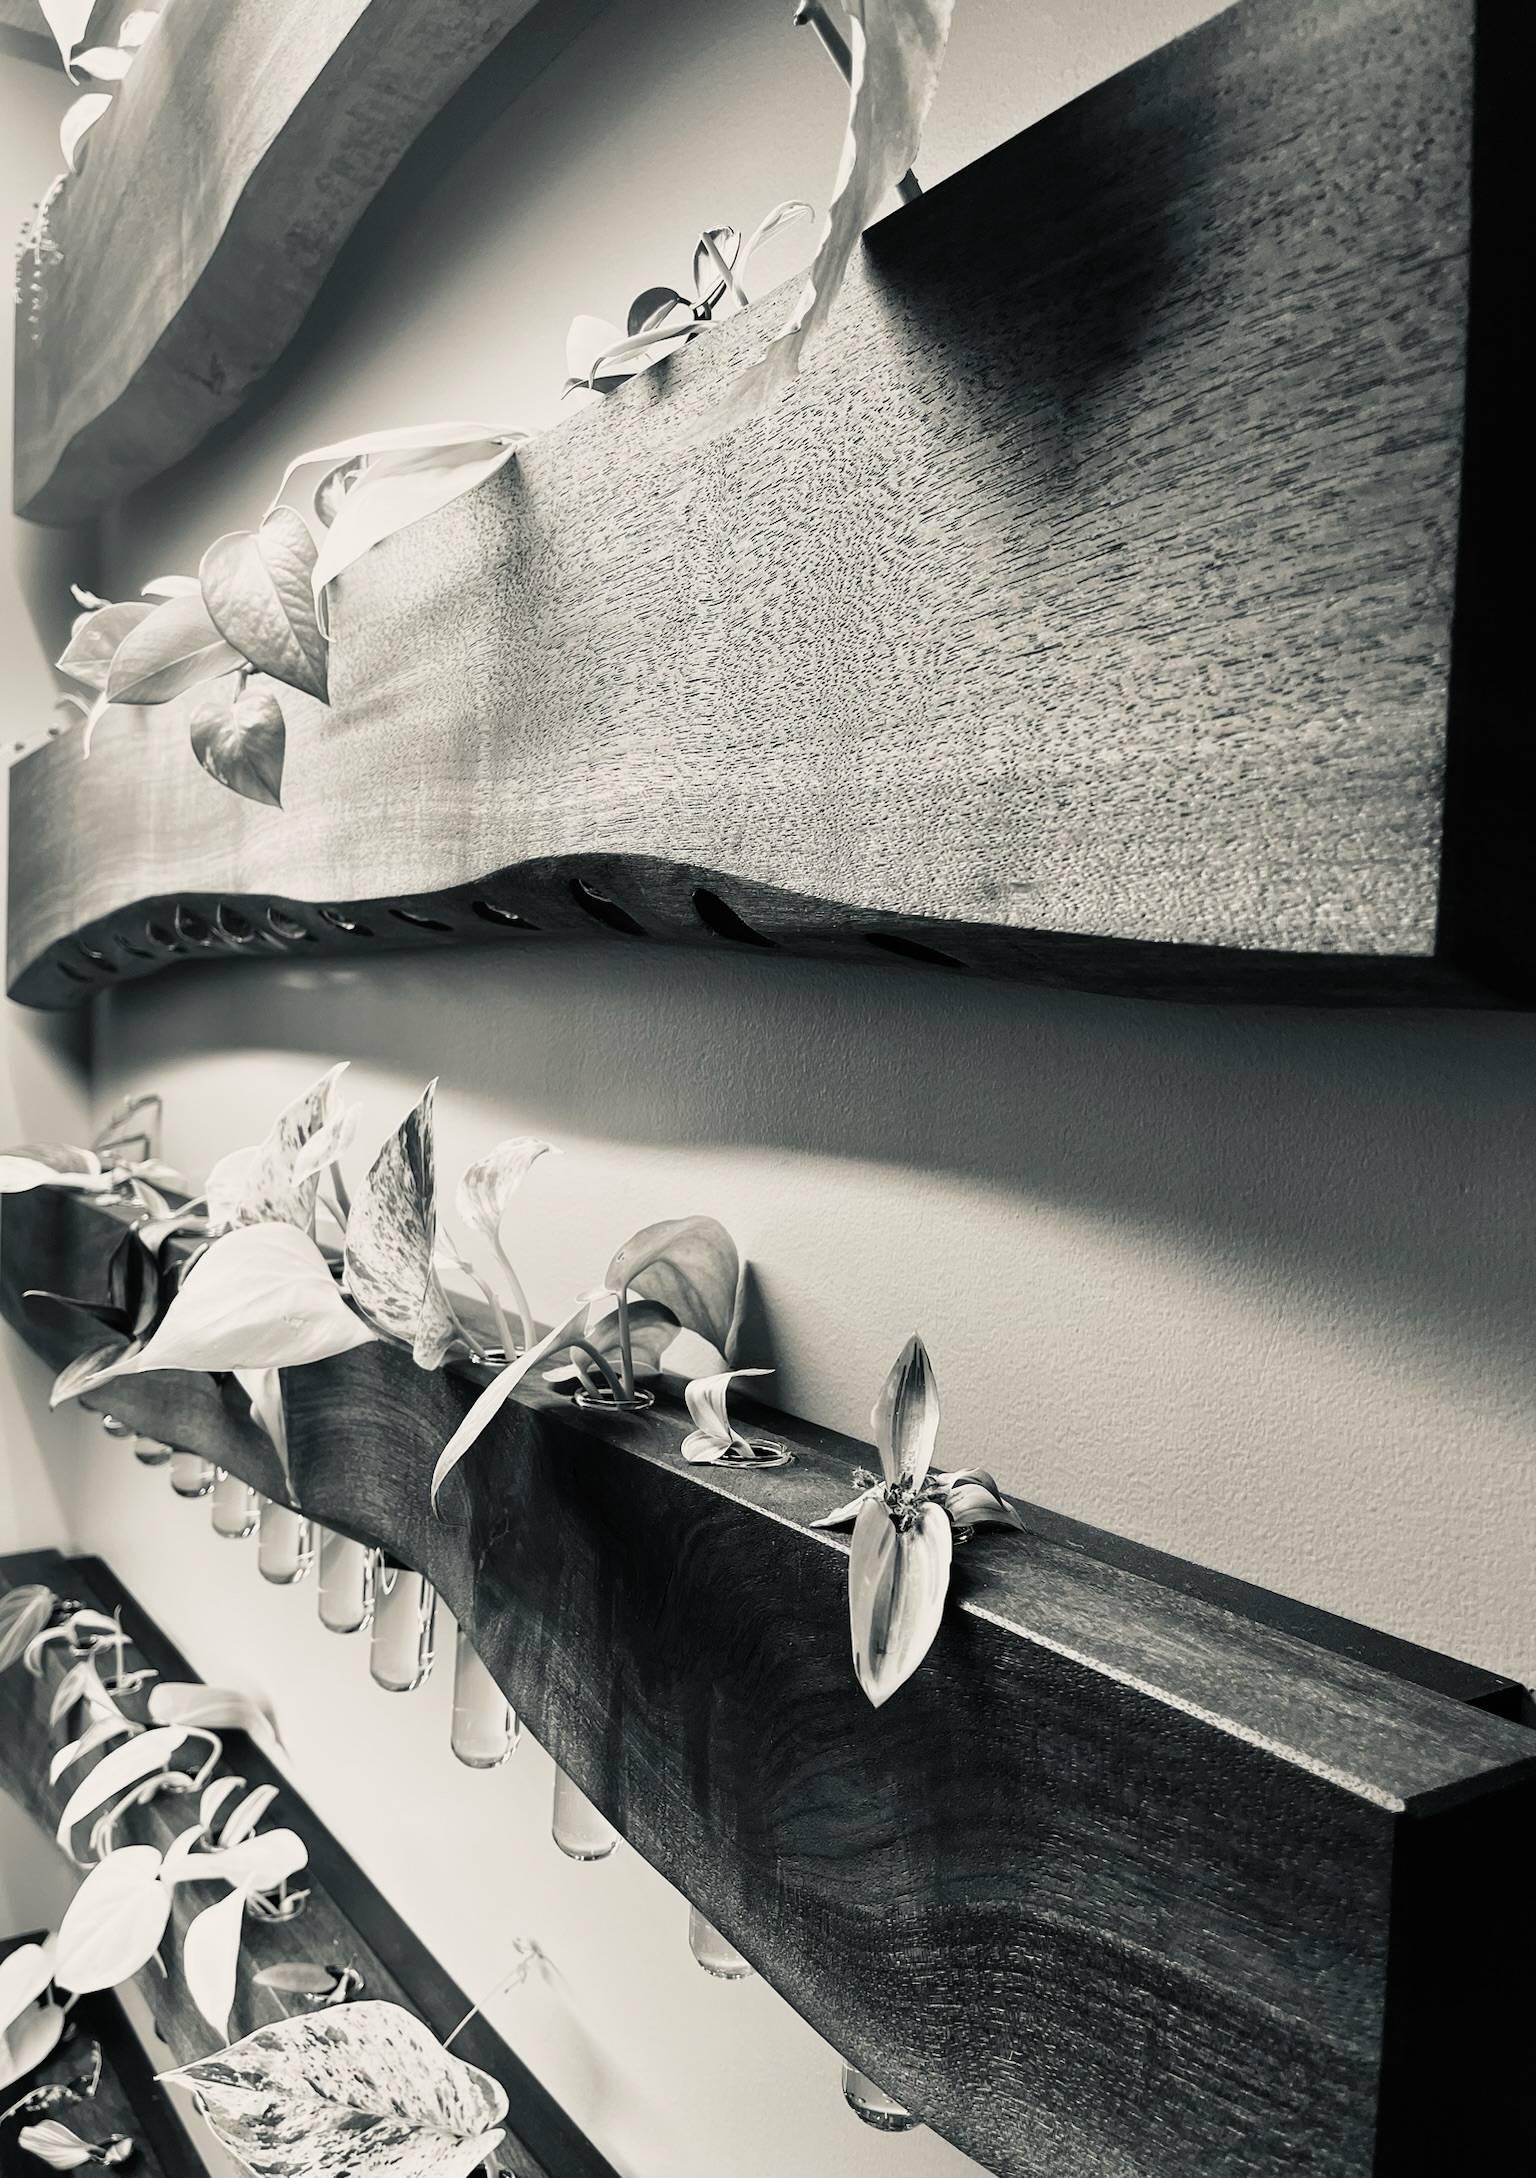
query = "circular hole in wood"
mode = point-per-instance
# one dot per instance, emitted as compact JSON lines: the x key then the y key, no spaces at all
{"x":489,"y":912}
{"x":338,"y":921}
{"x":157,"y":934}
{"x":285,"y":926}
{"x":75,"y":975}
{"x":96,"y":959}
{"x":911,"y":949}
{"x":190,"y":925}
{"x":418,"y":922}
{"x":231,"y":924}
{"x":603,"y":910}
{"x":719,"y":916}
{"x":134,"y":952}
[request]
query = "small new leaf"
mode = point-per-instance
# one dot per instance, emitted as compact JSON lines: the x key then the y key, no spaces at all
{"x":392,"y":1240}
{"x":168,"y":653}
{"x":78,"y":119}
{"x":240,"y":740}
{"x":88,"y":655}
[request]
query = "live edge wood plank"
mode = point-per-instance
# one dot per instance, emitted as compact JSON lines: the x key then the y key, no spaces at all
{"x":1123,"y":1881}
{"x":1112,"y":602}
{"x":214,"y":196}
{"x":344,"y":1921}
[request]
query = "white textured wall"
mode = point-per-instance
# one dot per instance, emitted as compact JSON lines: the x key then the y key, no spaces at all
{"x":1249,"y":1285}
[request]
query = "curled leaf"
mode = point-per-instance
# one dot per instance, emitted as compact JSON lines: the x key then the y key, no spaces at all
{"x":69,"y":20}
{"x":114,"y":1921}
{"x":257,"y":587}
{"x":95,"y":1735}
{"x":90,"y":1370}
{"x":240,"y":740}
{"x":23,"y":1612}
{"x":276,"y":1182}
{"x":715,"y":1438}
{"x":214,"y":1798}
{"x":173,"y":586}
{"x":898,"y":1578}
{"x":244,"y":1819}
{"x":898,"y":50}
{"x":260,"y":1297}
{"x":690,"y":1266}
{"x":50,"y":1164}
{"x":78,"y":119}
{"x":490,"y":1183}
{"x":392,"y":1240}
{"x":360,"y":2087}
{"x":170,"y":652}
{"x":87,"y":657}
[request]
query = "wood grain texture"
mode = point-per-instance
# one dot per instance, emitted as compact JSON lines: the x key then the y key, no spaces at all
{"x":345,"y":1921}
{"x":1084,"y":614}
{"x":213,"y":199}
{"x":1125,"y":1881}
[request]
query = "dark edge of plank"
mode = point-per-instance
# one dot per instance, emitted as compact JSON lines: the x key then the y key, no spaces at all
{"x":576,"y":896}
{"x":1488,"y":908}
{"x":539,"y":2122}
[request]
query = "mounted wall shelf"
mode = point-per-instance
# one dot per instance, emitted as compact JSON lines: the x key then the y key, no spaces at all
{"x":1145,"y":1871}
{"x":345,"y":1920}
{"x":1085,"y":614}
{"x":173,"y":281}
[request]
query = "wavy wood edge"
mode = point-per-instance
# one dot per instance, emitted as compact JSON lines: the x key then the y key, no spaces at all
{"x":1105,"y":1797}
{"x":171,"y":296}
{"x":345,"y":1920}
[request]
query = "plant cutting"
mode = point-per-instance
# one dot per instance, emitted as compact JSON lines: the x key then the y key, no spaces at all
{"x":55,"y":2144}
{"x":905,"y":1522}
{"x":600,"y":358}
{"x":680,"y":1275}
{"x":254,"y":618}
{"x":715,"y":1440}
{"x":106,"y":1169}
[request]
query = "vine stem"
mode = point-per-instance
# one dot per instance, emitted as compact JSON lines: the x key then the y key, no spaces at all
{"x":626,"y":1358}
{"x":519,"y":1297}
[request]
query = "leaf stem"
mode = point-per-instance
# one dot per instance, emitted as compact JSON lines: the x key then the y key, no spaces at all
{"x":626,"y":1358}
{"x":620,"y":1397}
{"x":343,"y":1199}
{"x":519,"y":1297}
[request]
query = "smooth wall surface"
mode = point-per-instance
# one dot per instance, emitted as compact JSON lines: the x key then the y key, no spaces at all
{"x":1253,"y":1286}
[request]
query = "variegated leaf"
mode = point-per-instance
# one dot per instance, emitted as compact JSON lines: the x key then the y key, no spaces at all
{"x":905,"y":1418}
{"x":264,"y":1185}
{"x":362,"y":2087}
{"x":392,"y":1240}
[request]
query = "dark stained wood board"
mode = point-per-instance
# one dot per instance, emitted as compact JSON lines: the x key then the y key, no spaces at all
{"x":345,"y":1920}
{"x":1084,"y":615}
{"x":1123,"y":1881}
{"x":235,"y":161}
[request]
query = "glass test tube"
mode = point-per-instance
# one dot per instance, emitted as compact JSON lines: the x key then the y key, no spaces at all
{"x":284,"y":1545}
{"x":873,"y":2104}
{"x":485,"y":1729}
{"x":580,"y":1830}
{"x":235,"y":1507}
{"x":191,"y":1474}
{"x":713,"y":1953}
{"x":404,"y":1626}
{"x":344,"y":1596}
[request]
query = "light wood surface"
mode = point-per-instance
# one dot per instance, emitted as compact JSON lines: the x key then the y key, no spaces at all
{"x":1127,"y":1880}
{"x":1083,"y":615}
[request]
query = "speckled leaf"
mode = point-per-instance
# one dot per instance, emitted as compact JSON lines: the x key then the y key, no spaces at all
{"x":392,"y":1238}
{"x":491,"y":1182}
{"x":689,"y":1265}
{"x":363,"y":2087}
{"x":905,"y":1417}
{"x":256,"y":585}
{"x":263,"y":1186}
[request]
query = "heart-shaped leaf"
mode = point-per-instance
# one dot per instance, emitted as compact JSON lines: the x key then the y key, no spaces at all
{"x":399,"y":489}
{"x":28,"y":2041}
{"x":210,"y":1954}
{"x":264,"y":1185}
{"x":360,"y":2087}
{"x":23,"y":1613}
{"x":905,"y":1418}
{"x":114,"y":1921}
{"x":125,"y":1766}
{"x":98,"y":1734}
{"x":257,"y":587}
{"x":897,"y":1581}
{"x":170,"y":652}
{"x":261,"y":1297}
{"x":240,"y":740}
{"x":78,"y":120}
{"x":244,"y":1819}
{"x":689,"y":1265}
{"x":392,"y":1240}
{"x":24,"y":1974}
{"x":491,"y":1182}
{"x":87,"y":658}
